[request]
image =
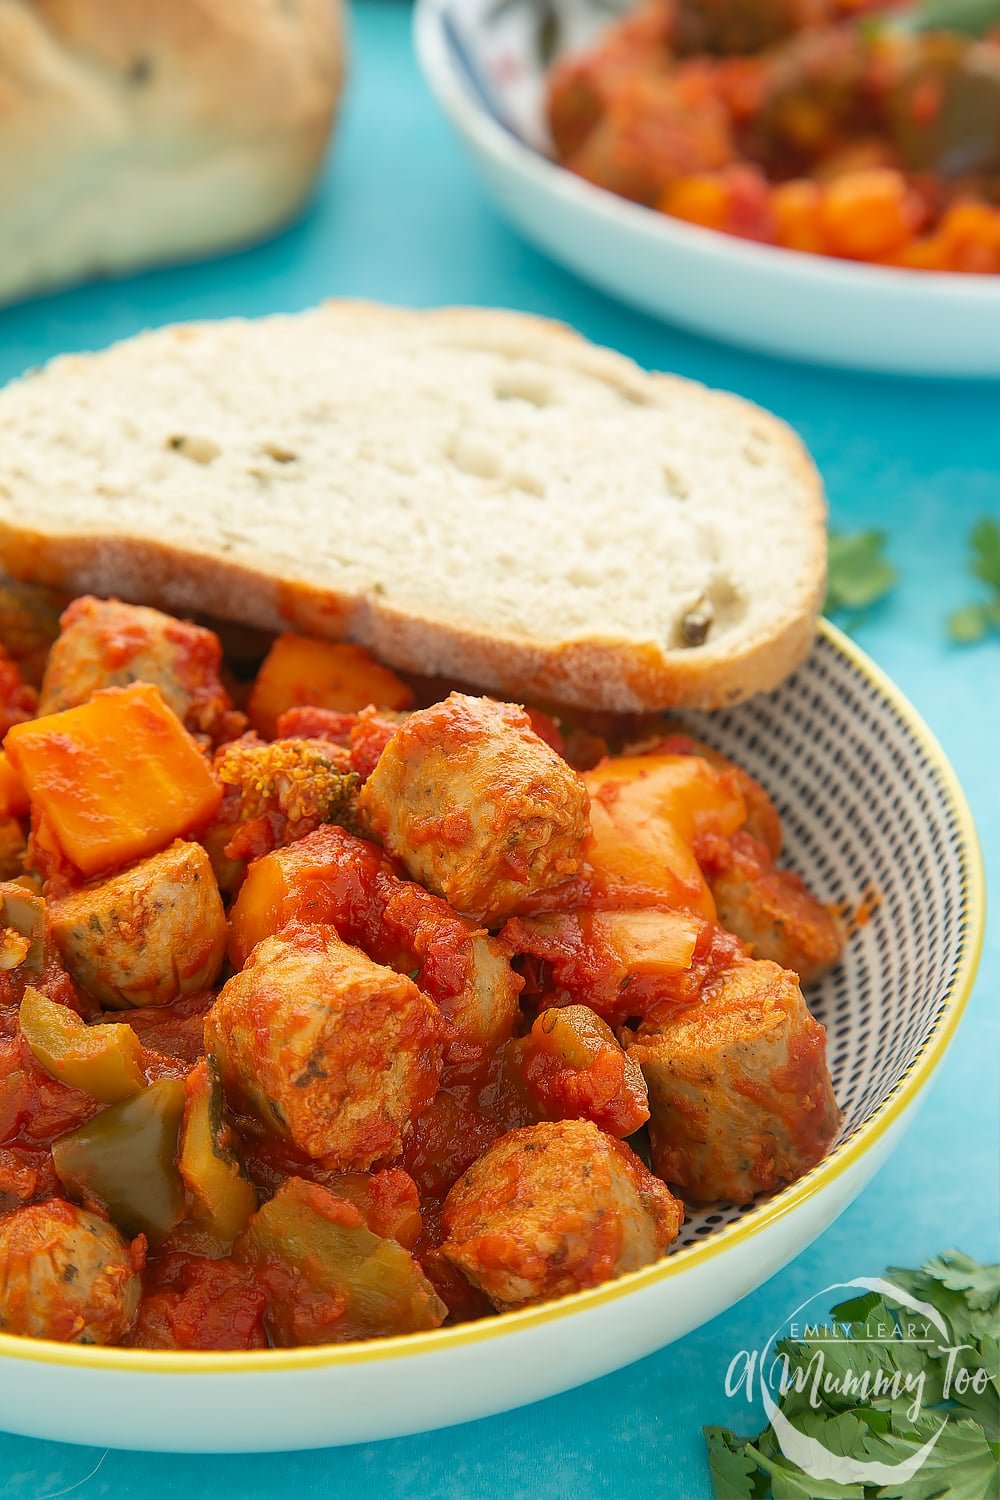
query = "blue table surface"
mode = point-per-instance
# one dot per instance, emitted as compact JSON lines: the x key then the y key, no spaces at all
{"x":400,"y":216}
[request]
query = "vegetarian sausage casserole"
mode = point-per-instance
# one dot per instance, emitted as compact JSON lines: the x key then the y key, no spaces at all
{"x":868,"y":130}
{"x":335,"y":1006}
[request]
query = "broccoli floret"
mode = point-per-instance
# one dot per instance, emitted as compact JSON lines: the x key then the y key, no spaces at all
{"x":277,"y":793}
{"x":305,"y":782}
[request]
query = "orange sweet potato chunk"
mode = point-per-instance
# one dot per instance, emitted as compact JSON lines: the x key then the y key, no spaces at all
{"x":117,"y":778}
{"x":646,"y":812}
{"x":13,"y":796}
{"x":324,"y":674}
{"x":298,"y":883}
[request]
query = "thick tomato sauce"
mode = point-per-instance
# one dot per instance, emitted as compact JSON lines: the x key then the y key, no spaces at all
{"x":193,"y":1303}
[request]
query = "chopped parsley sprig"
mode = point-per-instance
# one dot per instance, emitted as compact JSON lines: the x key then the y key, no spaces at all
{"x":974,"y":17}
{"x":964,"y":1463}
{"x":974,"y":621}
{"x":858,"y":574}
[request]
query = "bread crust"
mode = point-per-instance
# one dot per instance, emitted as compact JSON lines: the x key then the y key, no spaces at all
{"x":599,"y":671}
{"x":132,"y":133}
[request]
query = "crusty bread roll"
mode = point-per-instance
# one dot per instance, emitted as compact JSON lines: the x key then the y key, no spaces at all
{"x":136,"y":131}
{"x":478,"y":494}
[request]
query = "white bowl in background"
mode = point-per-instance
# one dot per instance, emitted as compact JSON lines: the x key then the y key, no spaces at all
{"x":809,"y":307}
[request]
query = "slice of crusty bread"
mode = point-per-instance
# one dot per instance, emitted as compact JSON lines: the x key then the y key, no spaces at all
{"x":477,"y":494}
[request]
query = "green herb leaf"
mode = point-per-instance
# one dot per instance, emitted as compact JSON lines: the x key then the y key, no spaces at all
{"x":866,"y":1362}
{"x":969,"y":624}
{"x":961,"y":1466}
{"x":788,"y":1482}
{"x":984,"y":540}
{"x":965,"y":1324}
{"x":873,"y":1367}
{"x":856,"y":1309}
{"x":735,"y":1474}
{"x":960,"y":1273}
{"x":859,"y":574}
{"x":983,"y":1406}
{"x":975,"y":621}
{"x":974,"y":17}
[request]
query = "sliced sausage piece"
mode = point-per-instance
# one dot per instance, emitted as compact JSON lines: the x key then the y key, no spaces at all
{"x":147,"y":936}
{"x":329,"y":1050}
{"x":554,"y":1208}
{"x":105,"y":643}
{"x":329,"y":876}
{"x":739,"y":1090}
{"x":65,"y":1274}
{"x":771,"y":909}
{"x":653,"y":130}
{"x":477,"y":806}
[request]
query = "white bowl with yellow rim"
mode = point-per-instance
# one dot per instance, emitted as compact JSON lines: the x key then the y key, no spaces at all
{"x":871,"y":807}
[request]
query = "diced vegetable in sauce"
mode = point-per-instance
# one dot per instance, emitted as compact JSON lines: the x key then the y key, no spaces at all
{"x":645,"y":814}
{"x":29,"y":623}
{"x":619,"y":963}
{"x":274,"y":795}
{"x":328,"y":674}
{"x":125,"y":1161}
{"x":224,"y":1199}
{"x":102,"y":1061}
{"x":13,"y":792}
{"x":572,"y":1067}
{"x":833,"y":127}
{"x":329,"y":1278}
{"x":13,"y":851}
{"x":116,"y":779}
{"x":22,"y":930}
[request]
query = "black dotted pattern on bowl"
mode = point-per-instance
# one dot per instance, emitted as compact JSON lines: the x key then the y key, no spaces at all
{"x":863,"y":809}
